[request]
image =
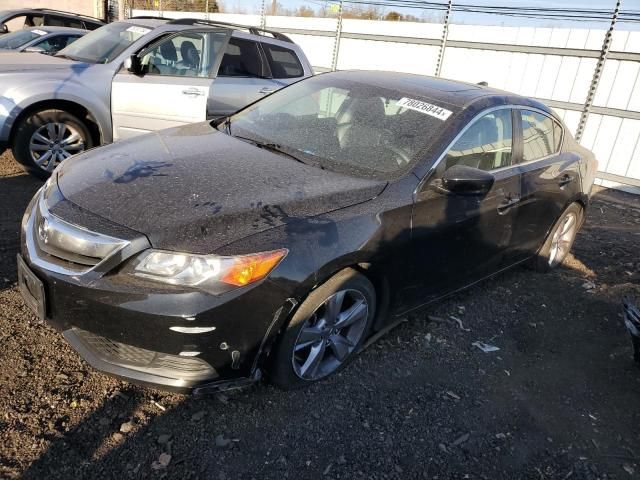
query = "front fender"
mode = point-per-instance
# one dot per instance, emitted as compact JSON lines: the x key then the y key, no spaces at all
{"x":16,"y":100}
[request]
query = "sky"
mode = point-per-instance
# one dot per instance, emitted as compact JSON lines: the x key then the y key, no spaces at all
{"x":476,"y":18}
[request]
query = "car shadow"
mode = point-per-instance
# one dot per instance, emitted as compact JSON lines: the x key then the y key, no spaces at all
{"x":15,"y":193}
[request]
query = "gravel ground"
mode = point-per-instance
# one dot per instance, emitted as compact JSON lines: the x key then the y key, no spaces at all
{"x":559,"y":400}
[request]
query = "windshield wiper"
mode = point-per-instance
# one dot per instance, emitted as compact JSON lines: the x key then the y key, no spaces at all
{"x":272,"y":147}
{"x":62,"y":55}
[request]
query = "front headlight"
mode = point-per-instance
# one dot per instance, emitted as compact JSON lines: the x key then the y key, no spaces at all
{"x":213,"y":273}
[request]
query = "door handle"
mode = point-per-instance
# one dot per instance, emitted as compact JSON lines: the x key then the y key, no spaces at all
{"x":194,"y":92}
{"x":566,"y":179}
{"x":507,"y":204}
{"x":266,"y":90}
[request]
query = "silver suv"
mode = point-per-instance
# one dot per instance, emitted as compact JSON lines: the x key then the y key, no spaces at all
{"x":136,"y":76}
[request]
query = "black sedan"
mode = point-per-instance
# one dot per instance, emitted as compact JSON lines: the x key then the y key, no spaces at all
{"x":278,"y":239}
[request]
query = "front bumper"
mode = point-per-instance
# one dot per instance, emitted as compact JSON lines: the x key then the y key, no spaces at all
{"x":176,"y":339}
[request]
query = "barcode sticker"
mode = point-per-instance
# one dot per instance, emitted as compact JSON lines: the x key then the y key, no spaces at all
{"x":140,"y":30}
{"x":424,"y":107}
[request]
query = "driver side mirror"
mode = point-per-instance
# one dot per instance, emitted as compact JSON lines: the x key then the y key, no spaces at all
{"x":3,"y":29}
{"x":463,"y":180}
{"x":133,"y":65}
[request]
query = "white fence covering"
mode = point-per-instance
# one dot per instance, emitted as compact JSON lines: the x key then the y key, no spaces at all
{"x":554,"y":65}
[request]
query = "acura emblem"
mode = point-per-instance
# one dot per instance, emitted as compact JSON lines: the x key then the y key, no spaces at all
{"x":43,"y":230}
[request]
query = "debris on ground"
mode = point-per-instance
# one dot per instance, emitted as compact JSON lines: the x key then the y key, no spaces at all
{"x":485,"y":347}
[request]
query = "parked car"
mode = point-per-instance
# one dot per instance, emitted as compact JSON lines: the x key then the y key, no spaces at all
{"x":133,"y":77}
{"x":13,"y":20}
{"x":280,"y":237}
{"x":47,"y":40}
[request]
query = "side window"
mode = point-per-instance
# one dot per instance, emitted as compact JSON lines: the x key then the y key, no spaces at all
{"x":541,"y":136}
{"x":487,"y":144}
{"x":55,"y":21}
{"x":90,"y":25}
{"x":284,"y":62}
{"x":23,"y":21}
{"x":54,"y":44}
{"x":242,"y":58}
{"x":73,"y":23}
{"x":190,"y":54}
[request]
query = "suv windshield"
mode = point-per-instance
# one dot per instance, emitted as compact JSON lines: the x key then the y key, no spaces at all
{"x":105,"y":43}
{"x":19,"y":38}
{"x":343,"y":125}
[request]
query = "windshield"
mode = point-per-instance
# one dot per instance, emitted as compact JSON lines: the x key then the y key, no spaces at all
{"x":21,"y":37}
{"x":342,"y":125}
{"x":105,"y":43}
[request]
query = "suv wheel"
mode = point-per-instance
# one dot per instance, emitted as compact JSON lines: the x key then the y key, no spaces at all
{"x":326,"y":331}
{"x":45,"y":138}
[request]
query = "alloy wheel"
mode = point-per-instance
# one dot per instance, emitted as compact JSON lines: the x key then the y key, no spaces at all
{"x":563,"y":239}
{"x":54,"y":142}
{"x":330,"y":335}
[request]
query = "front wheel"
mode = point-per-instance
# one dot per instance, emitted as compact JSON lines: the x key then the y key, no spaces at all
{"x":46,"y":138}
{"x":326,"y":331}
{"x":560,"y":239}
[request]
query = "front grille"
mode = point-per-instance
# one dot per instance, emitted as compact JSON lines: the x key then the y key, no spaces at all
{"x":57,"y":245}
{"x":148,"y":361}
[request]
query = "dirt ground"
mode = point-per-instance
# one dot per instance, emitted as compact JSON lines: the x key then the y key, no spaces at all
{"x":559,"y":400}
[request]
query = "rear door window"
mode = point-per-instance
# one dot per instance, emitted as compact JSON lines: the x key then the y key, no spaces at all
{"x":242,"y":58}
{"x":541,"y":136}
{"x":284,"y":62}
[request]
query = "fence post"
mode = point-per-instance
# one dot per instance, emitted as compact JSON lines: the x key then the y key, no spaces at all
{"x":443,"y":43}
{"x":597,"y":73}
{"x":336,"y":45}
{"x":263,"y":15}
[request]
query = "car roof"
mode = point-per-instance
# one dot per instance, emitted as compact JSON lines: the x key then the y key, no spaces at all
{"x":27,"y":11}
{"x":455,"y":93}
{"x":146,"y":21}
{"x":242,"y":31}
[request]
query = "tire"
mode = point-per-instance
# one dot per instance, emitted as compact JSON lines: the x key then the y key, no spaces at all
{"x":34,"y":144}
{"x":549,"y":257}
{"x":293,"y":365}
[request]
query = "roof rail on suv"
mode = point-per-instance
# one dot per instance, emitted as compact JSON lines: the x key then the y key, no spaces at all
{"x":69,"y":14}
{"x":147,"y":17}
{"x":252,"y":30}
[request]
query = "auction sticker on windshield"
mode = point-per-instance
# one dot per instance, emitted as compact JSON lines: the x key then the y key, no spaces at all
{"x":424,"y":107}
{"x":39,"y":32}
{"x":140,"y":30}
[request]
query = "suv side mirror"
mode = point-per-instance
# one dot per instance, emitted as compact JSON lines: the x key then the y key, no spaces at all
{"x":463,"y":180}
{"x":3,"y":29}
{"x":133,"y":65}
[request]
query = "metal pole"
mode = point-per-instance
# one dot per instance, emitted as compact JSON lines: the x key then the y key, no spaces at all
{"x":591,"y":94}
{"x":121,"y":10}
{"x":443,"y":43}
{"x":263,"y":15}
{"x":336,"y":45}
{"x":206,"y":9}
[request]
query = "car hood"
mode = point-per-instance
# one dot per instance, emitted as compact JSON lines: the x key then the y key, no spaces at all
{"x":12,"y":61}
{"x":195,"y":189}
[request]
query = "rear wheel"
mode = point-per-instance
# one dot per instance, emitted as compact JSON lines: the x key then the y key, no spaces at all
{"x":44,"y":139}
{"x":326,"y":331}
{"x":560,"y":239}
